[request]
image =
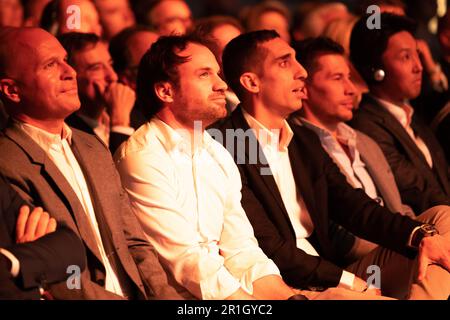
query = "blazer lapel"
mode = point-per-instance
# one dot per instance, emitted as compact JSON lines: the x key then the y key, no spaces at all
{"x":261,"y":167}
{"x":301,"y":176}
{"x":59,"y":184}
{"x":393,"y":126}
{"x":98,"y":181}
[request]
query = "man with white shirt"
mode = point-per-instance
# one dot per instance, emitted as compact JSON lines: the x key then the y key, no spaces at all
{"x":69,"y":172}
{"x":106,"y":104}
{"x":292,"y":191}
{"x":388,"y":60}
{"x":184,"y":186}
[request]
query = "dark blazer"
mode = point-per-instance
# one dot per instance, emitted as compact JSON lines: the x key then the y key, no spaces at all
{"x":43,"y":261}
{"x":39,"y":181}
{"x":327,"y":197}
{"x":115,"y":138}
{"x":420,"y":186}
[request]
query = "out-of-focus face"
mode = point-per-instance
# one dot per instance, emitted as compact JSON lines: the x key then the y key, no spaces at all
{"x":94,"y":73}
{"x":35,"y":9}
{"x":115,"y":16}
{"x":330,"y":90}
{"x":138,"y":45}
{"x":200,"y":95}
{"x":403,"y":68}
{"x":46,"y":84}
{"x":282,"y":83}
{"x":273,"y":20}
{"x":11,"y":13}
{"x":224,"y":34}
{"x":392,"y":9}
{"x":90,"y":20}
{"x":171,"y":17}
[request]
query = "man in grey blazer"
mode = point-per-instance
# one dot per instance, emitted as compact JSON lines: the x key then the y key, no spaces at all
{"x":330,"y":103}
{"x":70,"y":173}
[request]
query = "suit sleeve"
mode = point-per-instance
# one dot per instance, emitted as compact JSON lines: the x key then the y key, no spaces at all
{"x":298,"y":268}
{"x":362,"y":216}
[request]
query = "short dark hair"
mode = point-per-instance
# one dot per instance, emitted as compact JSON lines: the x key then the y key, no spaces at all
{"x":309,"y":50}
{"x":74,"y":42}
{"x":159,"y":64}
{"x":119,"y":48}
{"x":244,"y":53}
{"x":368,"y":45}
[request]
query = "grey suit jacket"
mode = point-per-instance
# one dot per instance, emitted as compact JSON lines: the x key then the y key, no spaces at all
{"x":40,"y":182}
{"x":381,"y":174}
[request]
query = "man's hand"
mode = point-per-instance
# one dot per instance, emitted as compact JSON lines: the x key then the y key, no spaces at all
{"x":119,"y":101}
{"x":359,"y":285}
{"x":433,"y":250}
{"x":32,"y":226}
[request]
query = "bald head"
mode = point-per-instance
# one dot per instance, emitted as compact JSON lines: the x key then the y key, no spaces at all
{"x":36,"y":83}
{"x":18,"y":47}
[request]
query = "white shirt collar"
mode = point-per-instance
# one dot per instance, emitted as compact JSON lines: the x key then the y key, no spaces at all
{"x":271,"y":137}
{"x":403,"y":113}
{"x":344,"y":133}
{"x":179,"y":139}
{"x":44,"y":138}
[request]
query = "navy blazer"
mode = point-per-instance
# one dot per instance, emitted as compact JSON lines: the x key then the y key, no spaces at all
{"x":327,"y":196}
{"x":420,"y":186}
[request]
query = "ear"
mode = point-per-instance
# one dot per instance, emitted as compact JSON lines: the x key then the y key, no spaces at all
{"x":10,"y":90}
{"x":164,"y":91}
{"x":250,"y":81}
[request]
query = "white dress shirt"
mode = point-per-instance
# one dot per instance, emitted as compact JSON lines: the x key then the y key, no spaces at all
{"x":403,"y":114}
{"x":189,"y":206}
{"x":352,"y":167}
{"x":57,"y":148}
{"x":276,"y":153}
{"x":103,"y":131}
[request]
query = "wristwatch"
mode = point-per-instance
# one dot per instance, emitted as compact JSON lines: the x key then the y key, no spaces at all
{"x":423,"y":231}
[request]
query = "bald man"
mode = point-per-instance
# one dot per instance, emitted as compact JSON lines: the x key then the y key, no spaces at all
{"x":70,"y":173}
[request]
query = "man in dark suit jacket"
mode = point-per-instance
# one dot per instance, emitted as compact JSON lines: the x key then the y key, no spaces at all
{"x":106,"y":104}
{"x":43,"y":258}
{"x":393,"y":72}
{"x":69,"y":172}
{"x":262,"y":69}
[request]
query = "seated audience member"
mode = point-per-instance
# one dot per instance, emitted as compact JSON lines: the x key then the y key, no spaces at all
{"x":292,"y":191}
{"x":115,"y":16}
{"x":106,"y":104}
{"x":32,"y":254}
{"x":69,"y":172}
{"x":217,"y":31}
{"x":56,"y":18}
{"x":127,"y":49}
{"x":167,"y":17}
{"x":180,"y":179}
{"x":393,"y":72}
{"x":270,"y":15}
{"x":329,"y":105}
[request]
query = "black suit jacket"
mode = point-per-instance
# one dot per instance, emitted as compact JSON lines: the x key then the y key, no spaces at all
{"x":43,"y":261}
{"x":327,"y":196}
{"x":115,"y":138}
{"x":420,"y":186}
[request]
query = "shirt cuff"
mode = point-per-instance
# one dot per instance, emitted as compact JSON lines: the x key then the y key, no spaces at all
{"x":123,"y":130}
{"x":347,"y":280}
{"x":15,"y":264}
